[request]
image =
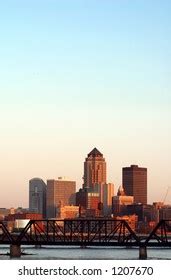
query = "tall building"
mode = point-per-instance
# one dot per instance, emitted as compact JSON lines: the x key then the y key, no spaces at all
{"x":134,"y":180}
{"x":95,"y":188}
{"x":60,"y":193}
{"x":94,"y":169}
{"x":106,"y":192}
{"x":37,"y":196}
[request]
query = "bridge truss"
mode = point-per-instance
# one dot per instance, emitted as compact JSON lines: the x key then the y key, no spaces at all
{"x":86,"y":232}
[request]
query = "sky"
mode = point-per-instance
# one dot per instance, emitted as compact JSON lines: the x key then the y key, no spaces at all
{"x":79,"y":74}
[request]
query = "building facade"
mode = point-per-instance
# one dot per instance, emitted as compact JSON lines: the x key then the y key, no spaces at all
{"x":106,"y":192}
{"x":119,"y":204}
{"x":134,"y":180}
{"x":68,"y":212}
{"x":96,"y":194}
{"x":37,"y":196}
{"x":99,"y":196}
{"x":60,"y":193}
{"x":94,"y":169}
{"x":87,"y":199}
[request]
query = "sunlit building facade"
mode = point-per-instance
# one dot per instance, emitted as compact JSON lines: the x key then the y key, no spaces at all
{"x":94,"y":169}
{"x":60,"y":193}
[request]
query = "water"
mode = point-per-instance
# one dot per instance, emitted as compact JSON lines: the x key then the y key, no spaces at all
{"x":77,"y":253}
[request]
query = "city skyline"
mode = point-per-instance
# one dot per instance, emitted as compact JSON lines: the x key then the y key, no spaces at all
{"x":82,"y":74}
{"x":97,"y":157}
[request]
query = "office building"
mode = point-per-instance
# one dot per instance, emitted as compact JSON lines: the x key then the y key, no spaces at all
{"x":97,"y":197}
{"x":134,"y":180}
{"x":106,"y":192}
{"x":95,"y":189}
{"x":120,"y":202}
{"x":37,"y":196}
{"x":94,"y":169}
{"x":68,"y":212}
{"x":60,"y":193}
{"x":87,"y":199}
{"x":145,"y":213}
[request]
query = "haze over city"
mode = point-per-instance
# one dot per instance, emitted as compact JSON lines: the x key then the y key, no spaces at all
{"x":82,"y":74}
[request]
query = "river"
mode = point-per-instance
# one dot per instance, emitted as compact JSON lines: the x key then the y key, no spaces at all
{"x":77,"y":253}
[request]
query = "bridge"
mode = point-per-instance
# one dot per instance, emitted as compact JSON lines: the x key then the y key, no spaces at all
{"x":85,"y":232}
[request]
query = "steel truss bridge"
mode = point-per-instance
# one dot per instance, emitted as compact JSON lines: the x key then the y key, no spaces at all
{"x":86,"y":232}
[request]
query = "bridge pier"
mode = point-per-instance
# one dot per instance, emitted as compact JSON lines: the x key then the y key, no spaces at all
{"x":38,"y":246}
{"x":15,"y":251}
{"x":142,"y":252}
{"x":83,"y":246}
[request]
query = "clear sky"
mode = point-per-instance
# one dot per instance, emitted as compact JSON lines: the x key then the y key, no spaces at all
{"x":79,"y":74}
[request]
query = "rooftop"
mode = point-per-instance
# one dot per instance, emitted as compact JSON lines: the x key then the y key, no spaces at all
{"x":95,"y":153}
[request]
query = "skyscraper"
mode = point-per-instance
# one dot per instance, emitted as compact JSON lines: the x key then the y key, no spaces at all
{"x":60,"y":193}
{"x":95,"y":186}
{"x":37,"y":196}
{"x":134,"y":181}
{"x":94,"y":169}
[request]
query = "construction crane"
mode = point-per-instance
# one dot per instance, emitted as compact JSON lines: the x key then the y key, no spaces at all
{"x":167,"y":191}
